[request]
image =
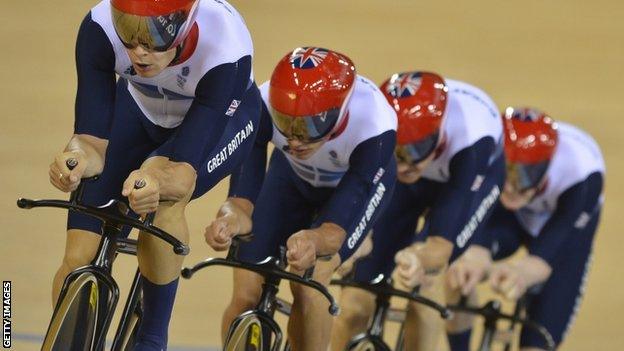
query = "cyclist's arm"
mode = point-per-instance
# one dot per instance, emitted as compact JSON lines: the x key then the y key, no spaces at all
{"x":350,"y":197}
{"x":448,"y":214}
{"x":205,"y":121}
{"x":95,"y":96}
{"x":247,"y":178}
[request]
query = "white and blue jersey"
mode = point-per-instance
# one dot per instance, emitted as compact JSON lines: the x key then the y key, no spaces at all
{"x":369,"y":116}
{"x":558,"y":225}
{"x":576,"y":157}
{"x":347,"y":181}
{"x":203,"y":109}
{"x":471,"y":115}
{"x":198,"y":93}
{"x":457,"y":190}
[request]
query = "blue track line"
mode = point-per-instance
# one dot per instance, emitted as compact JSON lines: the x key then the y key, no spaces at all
{"x":38,"y":339}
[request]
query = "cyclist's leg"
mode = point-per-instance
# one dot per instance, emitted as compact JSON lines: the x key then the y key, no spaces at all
{"x":129,"y":144}
{"x":159,"y":265}
{"x":309,"y":327}
{"x":555,"y":306}
{"x":280,"y":210}
{"x":392,"y":232}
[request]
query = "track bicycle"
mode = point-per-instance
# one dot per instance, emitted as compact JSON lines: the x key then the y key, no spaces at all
{"x":256,"y":329}
{"x":491,"y":313}
{"x":89,"y":296}
{"x":382,"y":288}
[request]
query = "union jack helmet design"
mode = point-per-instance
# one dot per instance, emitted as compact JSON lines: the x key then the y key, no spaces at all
{"x":312,"y":86}
{"x":308,"y":57}
{"x":419,"y":99}
{"x":406,"y":85}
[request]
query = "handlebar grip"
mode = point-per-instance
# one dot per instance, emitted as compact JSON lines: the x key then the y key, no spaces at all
{"x":71,"y":163}
{"x":25,"y":203}
{"x":186,"y":273}
{"x":181,"y":250}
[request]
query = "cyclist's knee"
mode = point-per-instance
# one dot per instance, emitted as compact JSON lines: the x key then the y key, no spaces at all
{"x":246,"y":292}
{"x":80,"y":249}
{"x":356,"y":307}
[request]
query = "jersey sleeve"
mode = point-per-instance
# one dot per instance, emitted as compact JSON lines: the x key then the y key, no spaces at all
{"x":354,"y":188}
{"x":204,"y":124}
{"x":246,"y":180}
{"x":574,"y":208}
{"x":450,"y":210}
{"x":95,"y":66}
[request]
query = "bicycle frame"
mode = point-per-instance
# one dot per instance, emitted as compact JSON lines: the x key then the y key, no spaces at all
{"x":103,"y":293}
{"x":260,"y":319}
{"x":491,"y":312}
{"x":383,"y":290}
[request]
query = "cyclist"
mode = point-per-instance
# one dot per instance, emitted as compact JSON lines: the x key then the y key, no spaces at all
{"x":551,"y":205}
{"x":450,"y":169}
{"x":328,"y":179}
{"x":182,"y":115}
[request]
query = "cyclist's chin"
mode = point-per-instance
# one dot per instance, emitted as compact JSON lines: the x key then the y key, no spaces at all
{"x":514,"y":202}
{"x":303,"y":154}
{"x":409,"y":177}
{"x":149,"y":71}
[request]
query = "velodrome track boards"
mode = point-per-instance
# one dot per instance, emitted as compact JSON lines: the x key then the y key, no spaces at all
{"x":562,"y":56}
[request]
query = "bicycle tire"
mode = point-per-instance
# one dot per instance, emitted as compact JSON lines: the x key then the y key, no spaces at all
{"x":366,"y":343}
{"x":247,"y":335}
{"x":74,"y":323}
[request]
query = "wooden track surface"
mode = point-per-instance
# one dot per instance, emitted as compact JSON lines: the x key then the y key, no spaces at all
{"x":562,"y":56}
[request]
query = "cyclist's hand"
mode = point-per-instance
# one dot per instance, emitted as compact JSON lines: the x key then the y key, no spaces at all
{"x":143,"y":199}
{"x":301,"y":253}
{"x":508,"y":280}
{"x":220,"y":232}
{"x":409,"y":271}
{"x":61,"y":176}
{"x":470,"y":269}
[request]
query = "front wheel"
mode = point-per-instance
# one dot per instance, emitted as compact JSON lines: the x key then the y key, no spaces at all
{"x":73,"y":324}
{"x":246,"y":334}
{"x":365,"y":342}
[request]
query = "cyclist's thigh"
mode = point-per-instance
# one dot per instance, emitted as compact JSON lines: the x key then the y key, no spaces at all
{"x":247,"y":286}
{"x":80,"y":247}
{"x":130,"y":141}
{"x":557,"y":303}
{"x":280,"y":211}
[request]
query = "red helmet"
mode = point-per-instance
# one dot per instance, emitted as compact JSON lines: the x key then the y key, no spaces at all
{"x":530,"y":142}
{"x":420,"y":99}
{"x":309,"y":91}
{"x":157,"y":25}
